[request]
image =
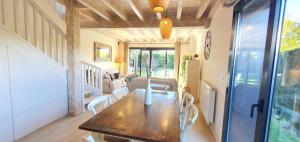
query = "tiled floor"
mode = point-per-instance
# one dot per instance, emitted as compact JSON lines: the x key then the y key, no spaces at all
{"x":66,"y":130}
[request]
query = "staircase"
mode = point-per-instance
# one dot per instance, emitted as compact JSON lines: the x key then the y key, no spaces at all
{"x":30,"y":23}
{"x":92,"y":81}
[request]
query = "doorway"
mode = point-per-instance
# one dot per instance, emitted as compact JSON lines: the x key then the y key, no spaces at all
{"x":255,"y":110}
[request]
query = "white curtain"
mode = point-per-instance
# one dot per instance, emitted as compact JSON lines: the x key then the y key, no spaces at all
{"x":177,"y":59}
{"x":126,"y":58}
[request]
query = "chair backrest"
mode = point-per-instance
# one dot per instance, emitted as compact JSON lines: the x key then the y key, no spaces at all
{"x":120,"y":93}
{"x":186,"y":98}
{"x":103,"y":100}
{"x":189,"y":118}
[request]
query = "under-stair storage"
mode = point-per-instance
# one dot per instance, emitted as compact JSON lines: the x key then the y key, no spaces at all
{"x":33,"y":88}
{"x":33,"y":69}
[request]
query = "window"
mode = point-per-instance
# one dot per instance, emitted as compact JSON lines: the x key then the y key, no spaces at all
{"x":161,"y":61}
{"x":285,"y":115}
{"x":248,"y":67}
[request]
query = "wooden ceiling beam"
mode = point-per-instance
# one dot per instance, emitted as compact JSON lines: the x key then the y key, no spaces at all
{"x":88,"y":15}
{"x":147,"y":23}
{"x":114,"y":8}
{"x":95,"y":6}
{"x":202,"y":7}
{"x":179,"y":9}
{"x":136,"y":9}
{"x":213,"y":8}
{"x":78,"y":5}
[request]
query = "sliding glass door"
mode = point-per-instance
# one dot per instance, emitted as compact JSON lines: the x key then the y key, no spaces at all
{"x":285,"y":108}
{"x":159,"y":63}
{"x":160,"y":60}
{"x":252,"y":67}
{"x":250,"y":44}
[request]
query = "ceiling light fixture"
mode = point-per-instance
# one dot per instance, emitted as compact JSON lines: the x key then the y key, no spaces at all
{"x":166,"y":26}
{"x":158,"y":6}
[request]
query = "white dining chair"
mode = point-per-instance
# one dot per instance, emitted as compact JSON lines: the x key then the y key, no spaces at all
{"x":186,"y":98}
{"x":119,"y":93}
{"x":102,"y":102}
{"x":190,"y":116}
{"x":98,"y":104}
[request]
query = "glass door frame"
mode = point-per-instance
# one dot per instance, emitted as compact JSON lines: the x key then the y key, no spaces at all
{"x":150,"y":49}
{"x":270,"y":57}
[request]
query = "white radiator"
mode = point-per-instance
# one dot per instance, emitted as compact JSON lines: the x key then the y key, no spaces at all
{"x":207,"y":101}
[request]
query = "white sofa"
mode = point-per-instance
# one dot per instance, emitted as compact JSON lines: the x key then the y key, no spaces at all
{"x":108,"y":84}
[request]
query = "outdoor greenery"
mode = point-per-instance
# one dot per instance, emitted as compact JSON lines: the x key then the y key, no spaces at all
{"x":182,"y":72}
{"x":290,"y":36}
{"x":280,"y":135}
{"x":283,"y":127}
{"x":161,"y":65}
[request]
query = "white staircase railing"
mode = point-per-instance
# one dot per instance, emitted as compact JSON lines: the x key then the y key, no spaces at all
{"x":92,"y":78}
{"x":28,"y":21}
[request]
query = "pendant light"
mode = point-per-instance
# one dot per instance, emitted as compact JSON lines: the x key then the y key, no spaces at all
{"x":158,"y":6}
{"x":166,"y":26}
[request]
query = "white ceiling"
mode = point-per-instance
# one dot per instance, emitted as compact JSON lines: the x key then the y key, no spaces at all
{"x":149,"y":35}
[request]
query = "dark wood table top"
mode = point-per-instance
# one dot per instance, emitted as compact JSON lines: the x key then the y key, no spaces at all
{"x":130,"y":118}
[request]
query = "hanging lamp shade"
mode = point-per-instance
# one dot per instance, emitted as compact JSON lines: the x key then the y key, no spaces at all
{"x":165,"y":25}
{"x":158,"y":6}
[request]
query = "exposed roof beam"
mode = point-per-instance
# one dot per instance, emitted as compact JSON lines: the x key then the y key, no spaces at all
{"x":86,"y":14}
{"x":179,"y":9}
{"x":213,"y":8}
{"x":95,"y":6}
{"x":78,"y":5}
{"x":203,"y":6}
{"x":120,"y":13}
{"x":136,"y":23}
{"x":136,"y":9}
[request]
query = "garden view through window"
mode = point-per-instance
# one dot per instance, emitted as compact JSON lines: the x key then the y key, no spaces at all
{"x":285,"y":117}
{"x":160,"y":60}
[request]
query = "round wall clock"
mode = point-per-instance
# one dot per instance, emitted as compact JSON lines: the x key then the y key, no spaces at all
{"x":230,"y":3}
{"x":207,"y":46}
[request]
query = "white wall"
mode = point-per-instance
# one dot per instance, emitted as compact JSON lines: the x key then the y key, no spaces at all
{"x":6,"y":129}
{"x":38,"y":87}
{"x":214,"y":70}
{"x":87,"y":39}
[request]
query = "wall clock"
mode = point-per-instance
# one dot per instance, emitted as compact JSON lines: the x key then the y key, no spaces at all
{"x":230,"y":3}
{"x":207,"y":46}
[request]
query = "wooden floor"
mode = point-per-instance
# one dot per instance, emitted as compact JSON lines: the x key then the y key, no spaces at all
{"x":66,"y":130}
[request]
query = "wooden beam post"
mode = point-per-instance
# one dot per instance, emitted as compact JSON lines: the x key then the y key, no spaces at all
{"x":75,"y":89}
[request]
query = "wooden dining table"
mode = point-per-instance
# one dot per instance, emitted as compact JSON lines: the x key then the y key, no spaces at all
{"x":129,"y":118}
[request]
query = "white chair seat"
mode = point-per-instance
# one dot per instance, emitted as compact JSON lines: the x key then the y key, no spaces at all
{"x":119,"y":93}
{"x":187,"y":98}
{"x":189,"y":118}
